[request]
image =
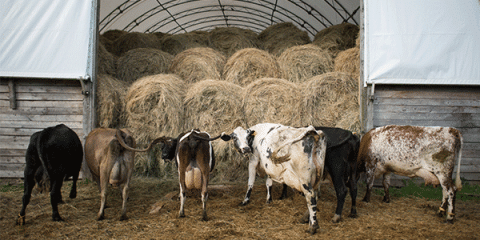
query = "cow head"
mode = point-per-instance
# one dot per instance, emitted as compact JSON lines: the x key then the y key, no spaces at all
{"x":168,"y":149}
{"x":242,"y":139}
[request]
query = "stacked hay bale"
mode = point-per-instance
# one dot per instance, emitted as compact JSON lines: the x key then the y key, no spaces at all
{"x":278,"y":37}
{"x":214,"y":106}
{"x":140,"y":62}
{"x":348,"y":61}
{"x":331,"y":100}
{"x":300,"y":63}
{"x":106,"y":61}
{"x":177,"y":43}
{"x":111,"y":98}
{"x":337,"y":38}
{"x":272,"y":100}
{"x":133,"y":40}
{"x":229,"y":40}
{"x":196,"y":64}
{"x":249,"y":64}
{"x":154,"y":108}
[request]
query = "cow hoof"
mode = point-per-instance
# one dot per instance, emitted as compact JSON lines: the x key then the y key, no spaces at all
{"x":449,"y":221}
{"x":441,"y":214}
{"x":73,"y":195}
{"x":365,"y":200}
{"x":123,"y":218}
{"x":20,"y":220}
{"x":386,"y":200}
{"x":313,"y":229}
{"x":244,"y":203}
{"x":336,"y":218}
{"x":100,"y":218}
{"x":269,"y":201}
{"x":181,"y":215}
{"x":352,"y":215}
{"x":57,"y":219}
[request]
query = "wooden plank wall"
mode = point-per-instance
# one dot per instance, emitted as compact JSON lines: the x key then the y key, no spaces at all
{"x":448,"y":106}
{"x":40,"y":104}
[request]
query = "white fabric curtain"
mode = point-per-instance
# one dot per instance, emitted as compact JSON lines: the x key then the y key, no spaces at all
{"x":46,"y":38}
{"x":422,"y":42}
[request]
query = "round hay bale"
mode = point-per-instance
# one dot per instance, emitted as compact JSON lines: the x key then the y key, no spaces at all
{"x":107,"y":43}
{"x":348,"y":61}
{"x":300,"y":63}
{"x":177,"y":43}
{"x":196,"y":64}
{"x":113,"y":34}
{"x":331,"y":100}
{"x":133,"y":40}
{"x":154,"y":107}
{"x":110,"y":98}
{"x":278,"y":37}
{"x":106,"y":62}
{"x":228,"y":40}
{"x":141,"y":62}
{"x":337,"y":37}
{"x":250,"y":64}
{"x":213,"y":106}
{"x":160,"y":35}
{"x":272,"y":100}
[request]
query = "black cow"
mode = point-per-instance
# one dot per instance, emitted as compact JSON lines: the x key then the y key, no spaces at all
{"x":341,"y":165}
{"x":53,"y":154}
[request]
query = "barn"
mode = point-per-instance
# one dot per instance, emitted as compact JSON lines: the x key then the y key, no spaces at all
{"x":415,"y":67}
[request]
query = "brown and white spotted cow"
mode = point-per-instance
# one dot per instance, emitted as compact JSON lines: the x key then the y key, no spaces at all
{"x":426,"y":152}
{"x":293,"y":156}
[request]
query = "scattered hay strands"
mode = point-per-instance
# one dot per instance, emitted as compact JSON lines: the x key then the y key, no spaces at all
{"x":154,"y":107}
{"x":272,"y":100}
{"x":278,"y":37}
{"x":142,"y":62}
{"x":228,"y":40}
{"x":196,"y":64}
{"x":177,"y":43}
{"x":348,"y":61}
{"x":337,"y":37}
{"x":133,"y":40}
{"x":110,"y":97}
{"x":250,"y":64}
{"x":300,"y":63}
{"x":331,"y":100}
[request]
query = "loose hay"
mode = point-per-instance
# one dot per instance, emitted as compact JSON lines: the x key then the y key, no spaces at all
{"x":133,"y":40}
{"x":177,"y":43}
{"x":300,"y":63}
{"x":250,"y":64}
{"x":228,"y":40}
{"x":142,"y":62}
{"x":337,"y":37}
{"x":272,"y":100}
{"x":331,"y":100}
{"x":348,"y":61}
{"x":196,"y":64}
{"x":110,"y":98}
{"x":154,"y":107}
{"x":278,"y":37}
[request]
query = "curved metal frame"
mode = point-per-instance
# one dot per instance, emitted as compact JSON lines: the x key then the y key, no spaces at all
{"x":226,"y":14}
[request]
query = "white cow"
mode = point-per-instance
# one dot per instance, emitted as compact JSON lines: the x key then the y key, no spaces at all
{"x":426,"y":152}
{"x":288,"y":155}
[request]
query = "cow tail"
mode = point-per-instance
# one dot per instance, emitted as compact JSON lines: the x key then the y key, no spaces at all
{"x":280,"y":159}
{"x":458,"y":181}
{"x":116,"y":172}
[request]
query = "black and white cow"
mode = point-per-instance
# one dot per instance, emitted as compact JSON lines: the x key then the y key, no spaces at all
{"x":412,"y":151}
{"x":53,"y":154}
{"x":341,"y":165}
{"x":293,"y":156}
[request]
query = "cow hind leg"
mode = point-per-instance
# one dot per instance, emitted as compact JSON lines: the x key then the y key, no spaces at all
{"x":448,"y":201}
{"x":124,"y":202}
{"x":311,"y":197}
{"x":73,"y":191}
{"x":341,"y":192}
{"x":269,"y":184}
{"x":386,"y":186}
{"x":29,"y":183}
{"x":370,"y":178}
{"x":284,"y":192}
{"x":352,"y":185}
{"x":204,"y":196}
{"x":103,"y":196}
{"x":56,"y":196}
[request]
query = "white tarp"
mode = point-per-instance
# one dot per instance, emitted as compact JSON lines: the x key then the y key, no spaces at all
{"x":46,"y":38}
{"x":422,"y":42}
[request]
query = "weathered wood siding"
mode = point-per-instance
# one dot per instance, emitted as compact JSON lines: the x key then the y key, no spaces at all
{"x":447,"y":106}
{"x":40,"y":104}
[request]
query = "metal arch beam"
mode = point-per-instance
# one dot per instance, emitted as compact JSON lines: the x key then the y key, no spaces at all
{"x":116,"y":12}
{"x":212,"y":26}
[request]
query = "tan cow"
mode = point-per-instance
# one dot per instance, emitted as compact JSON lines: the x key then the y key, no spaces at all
{"x":110,"y":163}
{"x":426,"y":152}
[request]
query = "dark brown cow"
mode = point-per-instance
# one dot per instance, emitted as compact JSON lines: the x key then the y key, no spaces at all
{"x":426,"y":152}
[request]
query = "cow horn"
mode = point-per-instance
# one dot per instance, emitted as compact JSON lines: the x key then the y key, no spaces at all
{"x":122,"y":142}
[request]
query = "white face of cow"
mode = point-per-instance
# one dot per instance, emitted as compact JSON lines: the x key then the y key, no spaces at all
{"x":241,"y":139}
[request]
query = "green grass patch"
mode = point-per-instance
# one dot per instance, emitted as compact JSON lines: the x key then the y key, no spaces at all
{"x":11,"y":188}
{"x":412,"y":189}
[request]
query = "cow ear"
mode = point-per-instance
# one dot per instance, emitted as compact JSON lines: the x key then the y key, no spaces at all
{"x":250,"y":137}
{"x":226,"y":137}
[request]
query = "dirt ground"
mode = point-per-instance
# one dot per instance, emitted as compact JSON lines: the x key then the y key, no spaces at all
{"x":153,"y":214}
